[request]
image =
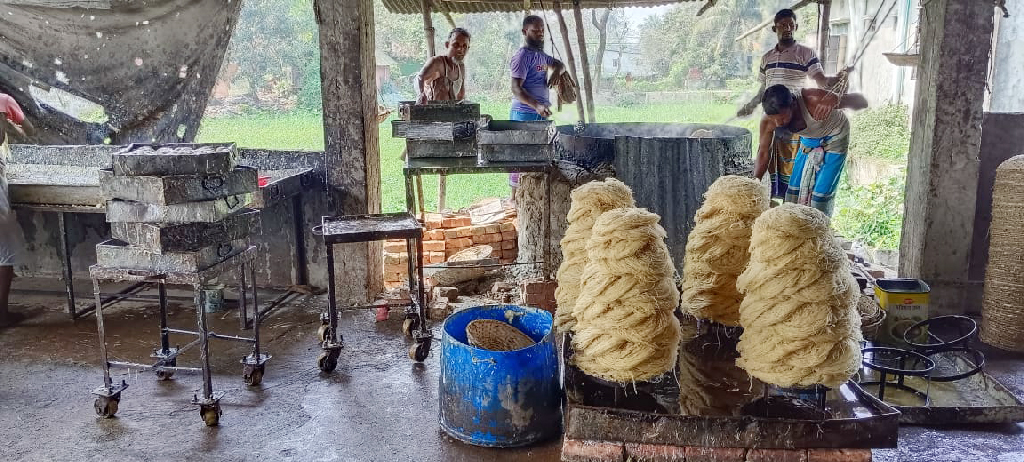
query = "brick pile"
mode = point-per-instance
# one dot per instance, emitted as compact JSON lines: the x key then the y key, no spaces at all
{"x":446,"y":235}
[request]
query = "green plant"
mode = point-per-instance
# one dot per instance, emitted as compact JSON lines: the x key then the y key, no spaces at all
{"x":882,"y":132}
{"x":872,"y":213}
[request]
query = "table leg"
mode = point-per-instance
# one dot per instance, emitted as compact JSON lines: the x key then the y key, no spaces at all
{"x":65,"y":248}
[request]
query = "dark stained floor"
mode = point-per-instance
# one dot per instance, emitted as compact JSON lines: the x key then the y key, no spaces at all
{"x":377,"y":406}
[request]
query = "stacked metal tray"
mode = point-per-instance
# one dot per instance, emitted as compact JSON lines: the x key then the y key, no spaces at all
{"x":177,"y":207}
{"x":438,"y":129}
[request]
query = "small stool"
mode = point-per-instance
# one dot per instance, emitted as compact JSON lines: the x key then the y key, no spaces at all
{"x":366,"y":228}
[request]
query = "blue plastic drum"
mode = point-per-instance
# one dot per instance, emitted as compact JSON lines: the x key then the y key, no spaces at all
{"x":500,"y":398}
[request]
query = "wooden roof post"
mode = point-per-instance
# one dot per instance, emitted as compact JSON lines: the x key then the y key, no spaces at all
{"x":569,"y":58}
{"x":587,"y":86}
{"x":428,"y":29}
{"x":442,"y":180}
{"x":351,"y":149}
{"x":823,"y":33}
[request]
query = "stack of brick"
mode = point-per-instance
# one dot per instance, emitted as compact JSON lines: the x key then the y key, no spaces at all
{"x":445,"y":236}
{"x":605,"y":451}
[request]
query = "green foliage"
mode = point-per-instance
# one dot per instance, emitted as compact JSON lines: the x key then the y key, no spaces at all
{"x":882,"y":132}
{"x":873,"y":213}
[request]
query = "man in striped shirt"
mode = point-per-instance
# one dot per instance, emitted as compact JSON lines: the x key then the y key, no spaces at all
{"x":788,"y":63}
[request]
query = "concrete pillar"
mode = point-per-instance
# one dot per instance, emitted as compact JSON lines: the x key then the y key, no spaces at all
{"x":347,"y":71}
{"x":1006,"y":80}
{"x":942,"y":173}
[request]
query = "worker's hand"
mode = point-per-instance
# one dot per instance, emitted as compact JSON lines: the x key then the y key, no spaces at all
{"x":544,"y":111}
{"x":825,"y":106}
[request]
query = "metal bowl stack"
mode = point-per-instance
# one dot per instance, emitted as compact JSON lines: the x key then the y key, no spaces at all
{"x":177,"y":208}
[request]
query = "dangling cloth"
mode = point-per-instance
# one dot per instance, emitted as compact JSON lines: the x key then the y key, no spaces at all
{"x":809,"y":175}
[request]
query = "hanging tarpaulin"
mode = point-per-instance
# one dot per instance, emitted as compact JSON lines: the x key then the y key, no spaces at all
{"x":150,"y":63}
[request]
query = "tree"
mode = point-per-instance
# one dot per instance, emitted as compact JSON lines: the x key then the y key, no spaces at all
{"x":602,"y":31}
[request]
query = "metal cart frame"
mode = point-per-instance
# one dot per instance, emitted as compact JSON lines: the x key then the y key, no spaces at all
{"x":348,"y":229}
{"x":416,"y":167}
{"x":165,"y":365}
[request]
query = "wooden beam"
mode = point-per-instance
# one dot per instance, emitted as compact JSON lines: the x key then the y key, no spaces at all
{"x":351,"y":148}
{"x":448,"y":17}
{"x":570,"y":59}
{"x":587,"y":84}
{"x":824,"y":31}
{"x":428,"y":28}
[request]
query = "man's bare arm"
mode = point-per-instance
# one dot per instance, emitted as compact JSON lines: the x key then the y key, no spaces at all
{"x":431,"y":71}
{"x":748,"y":108}
{"x":855,"y":101}
{"x":764,"y":148}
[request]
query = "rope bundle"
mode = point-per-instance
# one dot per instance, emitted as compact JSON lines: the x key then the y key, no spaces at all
{"x":589,"y":201}
{"x":799,"y":313}
{"x":625,"y":327}
{"x":718,"y":248}
{"x":567,"y":88}
{"x":1003,"y":308}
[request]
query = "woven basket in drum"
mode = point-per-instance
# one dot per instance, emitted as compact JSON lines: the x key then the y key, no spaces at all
{"x":494,"y":335}
{"x":1002,"y":323}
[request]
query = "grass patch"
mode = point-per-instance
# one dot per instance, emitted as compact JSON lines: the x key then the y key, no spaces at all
{"x":304,"y":131}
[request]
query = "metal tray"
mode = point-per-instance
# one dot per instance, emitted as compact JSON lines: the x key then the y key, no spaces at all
{"x":439,"y":112}
{"x":979,"y":398}
{"x":433,"y":131}
{"x":363,"y":228}
{"x":517,"y":132}
{"x":651,"y":413}
{"x":282,"y":185}
{"x":189,"y":212}
{"x":187,"y":237}
{"x":458,"y":148}
{"x":177,"y":189}
{"x":118,"y":254}
{"x":229,"y":267}
{"x":53,"y":184}
{"x":176,"y":159}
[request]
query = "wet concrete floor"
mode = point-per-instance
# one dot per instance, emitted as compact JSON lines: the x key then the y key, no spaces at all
{"x":377,"y":406}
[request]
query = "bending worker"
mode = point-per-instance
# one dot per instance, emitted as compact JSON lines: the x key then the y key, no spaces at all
{"x":816,"y":116}
{"x":787,"y":63}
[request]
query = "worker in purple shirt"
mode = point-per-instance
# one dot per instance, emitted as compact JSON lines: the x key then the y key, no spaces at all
{"x":529,"y":69}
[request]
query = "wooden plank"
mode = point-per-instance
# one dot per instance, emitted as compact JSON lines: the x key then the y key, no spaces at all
{"x":177,"y":189}
{"x":458,"y":148}
{"x":347,"y":69}
{"x":824,"y":31}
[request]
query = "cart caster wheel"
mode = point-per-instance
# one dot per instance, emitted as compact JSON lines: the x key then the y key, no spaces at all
{"x":106,"y":407}
{"x":419,"y":351}
{"x":409,"y":326}
{"x":210,"y":415}
{"x":166,"y":375}
{"x":323,"y":333}
{"x":253,"y":375}
{"x":327,"y":361}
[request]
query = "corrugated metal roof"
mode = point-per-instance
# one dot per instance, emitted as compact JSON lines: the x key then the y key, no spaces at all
{"x":507,"y":6}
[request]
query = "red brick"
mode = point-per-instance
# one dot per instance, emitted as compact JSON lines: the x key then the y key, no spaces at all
{"x":434,"y":235}
{"x":393,"y":277}
{"x":478,"y":230}
{"x":450,"y":293}
{"x":700,"y":454}
{"x":394,"y":247}
{"x":492,"y":228}
{"x":464,"y":231}
{"x":448,"y":223}
{"x":505,"y":261}
{"x":450,"y":234}
{"x":435,"y":257}
{"x":510,"y":253}
{"x":393,"y":284}
{"x":506,"y":226}
{"x":592,"y":451}
{"x":401,"y":269}
{"x":654,"y":453}
{"x":459,"y":243}
{"x":463,"y":221}
{"x":486,"y":238}
{"x":433,"y":246}
{"x":838,"y":455}
{"x":509,"y":236}
{"x":433,"y":220}
{"x":509,"y":245}
{"x":777,"y":455}
{"x":396,"y":258}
